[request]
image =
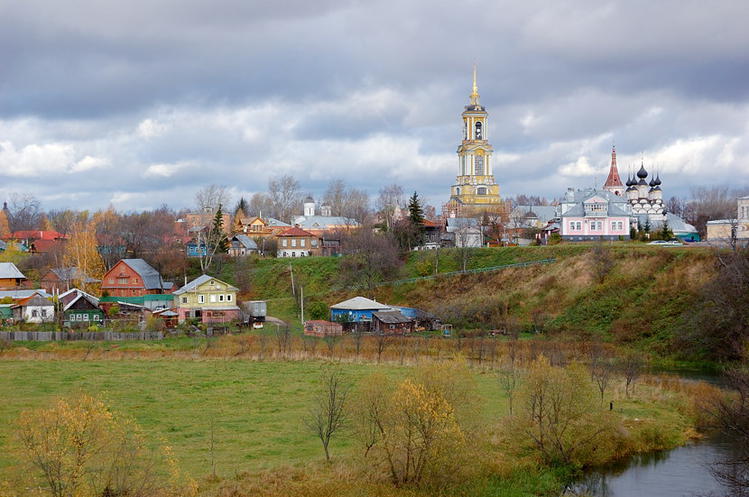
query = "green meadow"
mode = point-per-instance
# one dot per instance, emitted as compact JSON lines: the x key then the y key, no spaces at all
{"x":253,"y":411}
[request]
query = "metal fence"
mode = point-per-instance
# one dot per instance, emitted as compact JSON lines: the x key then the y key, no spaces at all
{"x":61,"y":336}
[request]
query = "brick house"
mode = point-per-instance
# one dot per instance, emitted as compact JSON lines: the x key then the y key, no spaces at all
{"x":295,"y":242}
{"x":134,"y":278}
{"x":322,"y":328}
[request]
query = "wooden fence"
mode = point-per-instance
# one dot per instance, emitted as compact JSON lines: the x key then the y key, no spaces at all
{"x":59,"y":336}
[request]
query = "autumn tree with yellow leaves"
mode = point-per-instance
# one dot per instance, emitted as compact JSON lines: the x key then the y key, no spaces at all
{"x":79,"y":448}
{"x":418,"y":430}
{"x":4,"y":226}
{"x":82,"y":252}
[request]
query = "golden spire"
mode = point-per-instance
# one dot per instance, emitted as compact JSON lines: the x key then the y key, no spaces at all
{"x":475,"y":92}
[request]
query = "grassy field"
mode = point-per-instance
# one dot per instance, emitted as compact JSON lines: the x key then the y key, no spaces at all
{"x":256,"y":409}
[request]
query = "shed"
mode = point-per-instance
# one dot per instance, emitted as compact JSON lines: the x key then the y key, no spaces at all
{"x":422,"y":319}
{"x":392,"y":323}
{"x":322,"y":328}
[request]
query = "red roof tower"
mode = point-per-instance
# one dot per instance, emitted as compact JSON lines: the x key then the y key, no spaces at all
{"x":613,"y":181}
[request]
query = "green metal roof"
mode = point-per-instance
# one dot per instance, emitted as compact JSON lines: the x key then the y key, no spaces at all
{"x":167,"y":297}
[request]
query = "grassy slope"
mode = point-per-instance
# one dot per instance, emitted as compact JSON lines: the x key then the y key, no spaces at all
{"x":640,"y":301}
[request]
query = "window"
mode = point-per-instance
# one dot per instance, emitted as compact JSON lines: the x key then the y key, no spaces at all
{"x":122,"y":281}
{"x":283,"y":244}
{"x":579,"y":225}
{"x":97,"y":317}
{"x":213,"y":282}
{"x":228,"y":298}
{"x":302,"y":242}
{"x":314,"y":243}
{"x":478,"y":130}
{"x":213,"y":298}
{"x":479,"y":162}
{"x":72,"y":317}
{"x":85,"y":317}
{"x":201,"y":299}
{"x":184,"y":300}
{"x":293,"y":242}
{"x":220,"y":298}
{"x":481,"y":190}
{"x":34,"y":313}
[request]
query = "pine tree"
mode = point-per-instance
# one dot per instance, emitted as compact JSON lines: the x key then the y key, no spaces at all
{"x":415,"y":211}
{"x":666,"y":233}
{"x":217,"y":237}
{"x":416,"y":220}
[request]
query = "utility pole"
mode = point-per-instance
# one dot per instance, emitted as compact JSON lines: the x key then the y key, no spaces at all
{"x":301,"y":300}
{"x":291,"y":270}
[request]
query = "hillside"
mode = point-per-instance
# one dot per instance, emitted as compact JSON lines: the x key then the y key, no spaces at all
{"x":636,"y":295}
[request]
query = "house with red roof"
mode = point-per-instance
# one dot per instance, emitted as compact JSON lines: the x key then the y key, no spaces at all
{"x":38,"y":241}
{"x":296,"y":242}
{"x":134,"y":278}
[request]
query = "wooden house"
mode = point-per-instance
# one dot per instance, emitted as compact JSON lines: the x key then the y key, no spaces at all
{"x":10,"y":277}
{"x":80,"y":309}
{"x":242,"y":245}
{"x":134,"y":278}
{"x":392,"y":323}
{"x":208,"y":299}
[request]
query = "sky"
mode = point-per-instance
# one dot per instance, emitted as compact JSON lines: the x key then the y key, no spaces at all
{"x":138,"y":103}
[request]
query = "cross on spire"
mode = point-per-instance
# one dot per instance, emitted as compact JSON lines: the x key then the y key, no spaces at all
{"x":475,"y":90}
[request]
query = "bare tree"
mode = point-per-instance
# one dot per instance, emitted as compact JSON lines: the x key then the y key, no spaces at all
{"x":467,"y":237}
{"x":261,"y":205}
{"x":631,"y":368}
{"x":208,"y":198}
{"x":335,"y":196}
{"x":390,"y":199}
{"x":381,"y":342}
{"x":716,"y":202}
{"x":24,"y":212}
{"x":327,"y":416}
{"x":718,"y":323}
{"x":601,"y":371}
{"x":730,"y":416}
{"x":285,"y":196}
{"x":369,"y":258}
{"x":509,"y":377}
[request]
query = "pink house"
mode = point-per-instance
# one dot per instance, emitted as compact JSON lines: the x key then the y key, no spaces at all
{"x":593,"y":215}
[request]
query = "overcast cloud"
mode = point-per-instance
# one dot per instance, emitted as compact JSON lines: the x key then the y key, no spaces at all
{"x":142,"y":102}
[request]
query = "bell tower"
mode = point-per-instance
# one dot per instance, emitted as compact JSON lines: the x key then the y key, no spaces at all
{"x":475,"y":185}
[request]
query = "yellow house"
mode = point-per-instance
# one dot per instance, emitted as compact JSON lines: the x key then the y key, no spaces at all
{"x":208,"y":299}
